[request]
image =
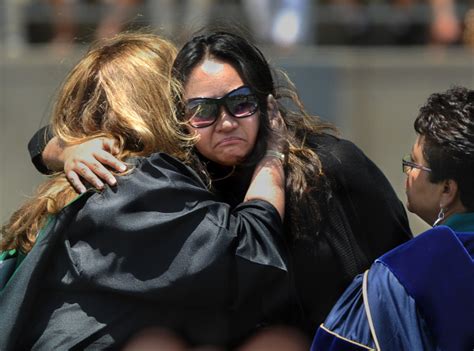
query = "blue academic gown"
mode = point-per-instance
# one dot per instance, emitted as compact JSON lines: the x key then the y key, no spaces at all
{"x":418,"y":296}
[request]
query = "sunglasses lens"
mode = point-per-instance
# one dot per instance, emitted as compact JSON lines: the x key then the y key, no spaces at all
{"x":242,"y":105}
{"x":201,"y":113}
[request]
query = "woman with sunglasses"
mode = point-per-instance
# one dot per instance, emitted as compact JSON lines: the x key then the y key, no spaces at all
{"x":336,"y":198}
{"x":419,"y":295}
{"x":158,"y":249}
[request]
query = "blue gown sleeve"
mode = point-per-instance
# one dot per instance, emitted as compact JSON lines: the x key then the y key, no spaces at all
{"x":346,"y":326}
{"x":398,"y":324}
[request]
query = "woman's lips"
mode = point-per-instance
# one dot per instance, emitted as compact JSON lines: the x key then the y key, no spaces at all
{"x":229,"y":141}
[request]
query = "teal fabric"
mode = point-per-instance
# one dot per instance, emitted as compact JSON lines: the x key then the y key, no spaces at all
{"x":17,"y":296}
{"x":8,"y":263}
{"x":10,"y":260}
{"x":461,"y":222}
{"x":6,"y":255}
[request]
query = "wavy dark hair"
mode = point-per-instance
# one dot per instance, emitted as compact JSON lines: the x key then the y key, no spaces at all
{"x":446,"y":122}
{"x":306,"y":184}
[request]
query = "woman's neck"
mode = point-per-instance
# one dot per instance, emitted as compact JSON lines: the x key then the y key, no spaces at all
{"x":232,"y":189}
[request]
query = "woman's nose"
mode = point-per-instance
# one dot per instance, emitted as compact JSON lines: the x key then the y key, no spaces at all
{"x":226,"y":121}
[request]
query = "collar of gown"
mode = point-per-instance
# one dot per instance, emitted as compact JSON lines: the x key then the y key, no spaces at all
{"x":461,"y":222}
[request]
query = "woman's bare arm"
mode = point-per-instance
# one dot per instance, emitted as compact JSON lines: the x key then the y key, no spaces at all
{"x":268,"y":184}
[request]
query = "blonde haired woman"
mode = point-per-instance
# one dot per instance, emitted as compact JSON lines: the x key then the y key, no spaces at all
{"x":103,"y":96}
{"x":157,"y":250}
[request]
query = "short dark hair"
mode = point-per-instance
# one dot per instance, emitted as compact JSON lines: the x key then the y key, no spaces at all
{"x":245,"y":57}
{"x":446,"y":122}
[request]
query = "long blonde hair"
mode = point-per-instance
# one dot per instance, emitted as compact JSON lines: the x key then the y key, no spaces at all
{"x":122,"y":88}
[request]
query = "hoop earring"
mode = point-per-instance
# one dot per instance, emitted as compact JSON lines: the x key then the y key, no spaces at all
{"x":440,"y":217}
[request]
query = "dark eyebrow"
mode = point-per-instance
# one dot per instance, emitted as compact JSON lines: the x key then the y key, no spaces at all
{"x":200,"y":98}
{"x":218,"y":97}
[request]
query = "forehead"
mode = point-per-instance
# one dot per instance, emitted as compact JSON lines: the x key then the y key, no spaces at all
{"x":211,"y":67}
{"x":419,"y":142}
{"x":212,"y":78}
{"x":417,"y":149}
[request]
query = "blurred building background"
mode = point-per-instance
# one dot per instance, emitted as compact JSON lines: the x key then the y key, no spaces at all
{"x":365,"y":65}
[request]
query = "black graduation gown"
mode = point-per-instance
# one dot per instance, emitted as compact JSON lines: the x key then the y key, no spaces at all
{"x":349,"y":239}
{"x":156,"y":250}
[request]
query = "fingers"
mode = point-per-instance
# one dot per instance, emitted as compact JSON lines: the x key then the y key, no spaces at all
{"x":86,"y":173}
{"x":100,"y":171}
{"x":89,"y":161}
{"x":111,"y":145}
{"x":76,"y":182}
{"x":93,"y":171}
{"x":108,"y":159}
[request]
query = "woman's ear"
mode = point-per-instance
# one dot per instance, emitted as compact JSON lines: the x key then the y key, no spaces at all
{"x":450,"y":193}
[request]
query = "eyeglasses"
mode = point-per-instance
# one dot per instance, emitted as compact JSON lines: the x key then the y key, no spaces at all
{"x":408,"y":165}
{"x":203,"y":112}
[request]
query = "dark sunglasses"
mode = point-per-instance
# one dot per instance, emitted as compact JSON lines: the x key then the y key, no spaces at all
{"x":408,"y":165}
{"x":203,"y":112}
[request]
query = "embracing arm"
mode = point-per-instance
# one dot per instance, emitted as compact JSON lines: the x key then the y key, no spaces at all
{"x":86,"y":161}
{"x":46,"y":151}
{"x":170,"y":240}
{"x":169,"y":203}
{"x":268,"y":184}
{"x":37,"y":144}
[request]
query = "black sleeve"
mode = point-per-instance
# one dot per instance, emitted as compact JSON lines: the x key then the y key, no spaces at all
{"x":164,"y":211}
{"x":160,"y":236}
{"x":36,"y":147}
